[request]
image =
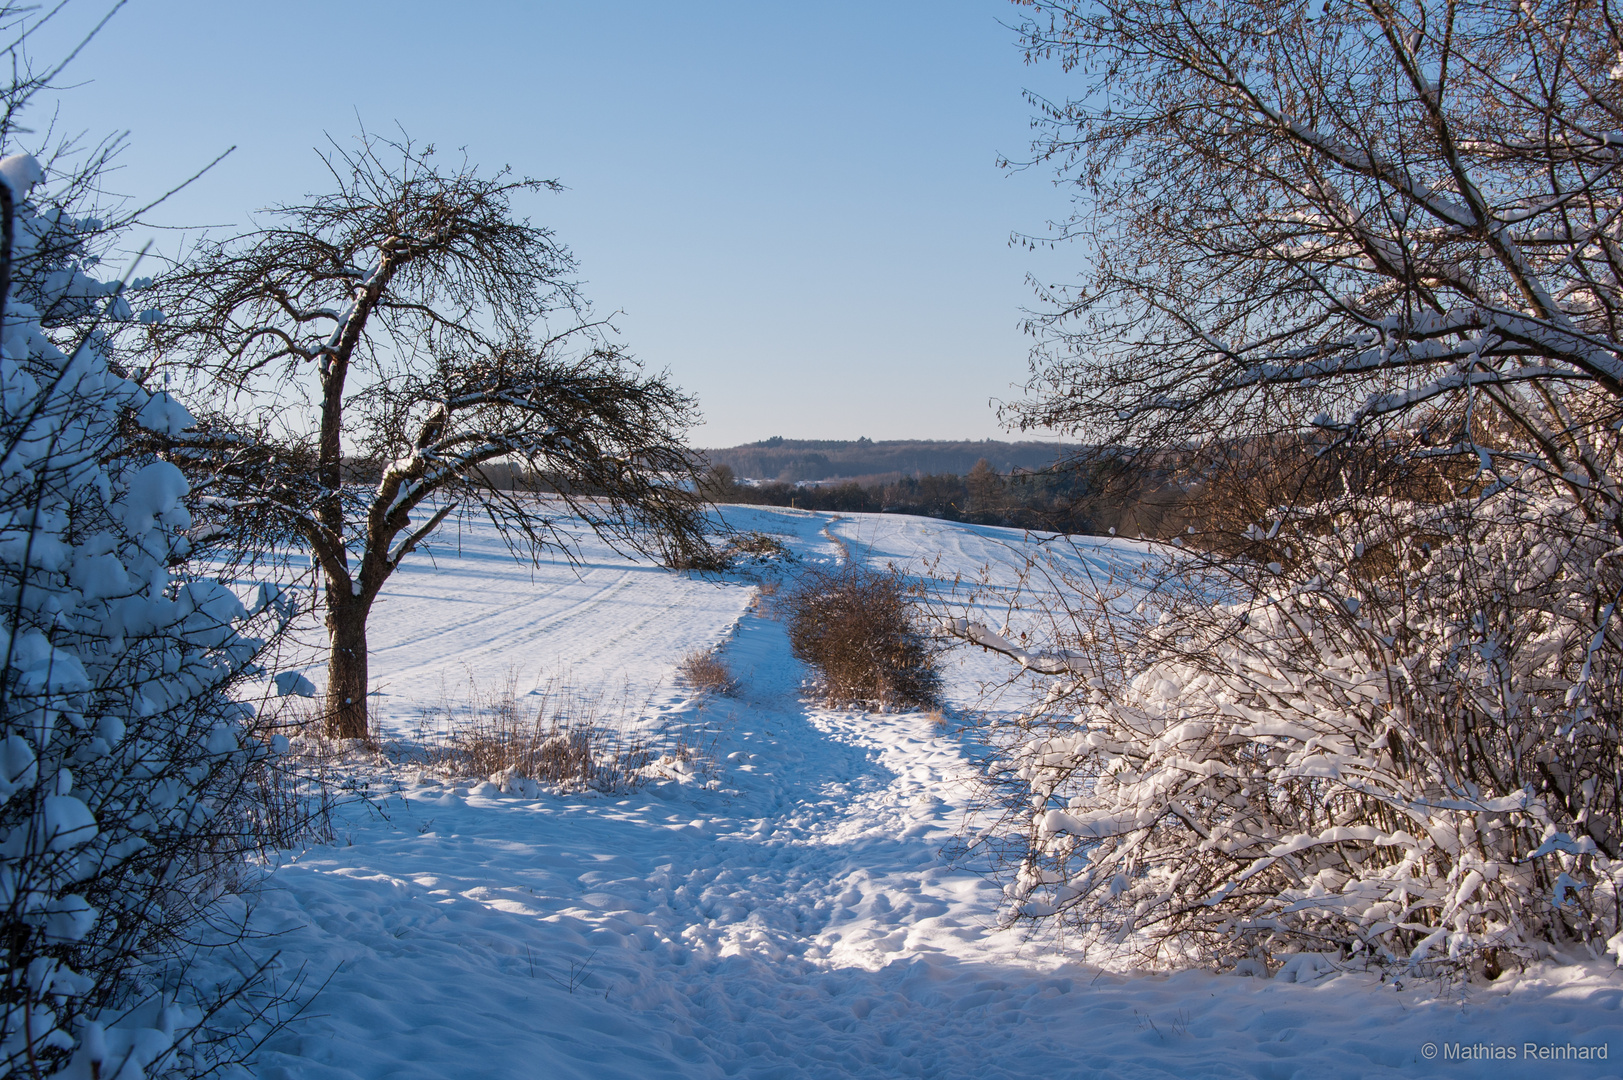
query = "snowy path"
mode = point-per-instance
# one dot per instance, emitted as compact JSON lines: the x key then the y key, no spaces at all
{"x":797,"y":922}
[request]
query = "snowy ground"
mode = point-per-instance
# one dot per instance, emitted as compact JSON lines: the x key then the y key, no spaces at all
{"x":793,"y":920}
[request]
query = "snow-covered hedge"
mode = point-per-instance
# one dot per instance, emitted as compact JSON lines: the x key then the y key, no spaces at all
{"x":1398,"y":741}
{"x":120,"y":745}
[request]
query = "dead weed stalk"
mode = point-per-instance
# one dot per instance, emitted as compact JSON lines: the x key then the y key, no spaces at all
{"x":557,"y":738}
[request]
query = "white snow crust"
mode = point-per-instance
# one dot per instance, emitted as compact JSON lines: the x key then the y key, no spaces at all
{"x":797,"y":917}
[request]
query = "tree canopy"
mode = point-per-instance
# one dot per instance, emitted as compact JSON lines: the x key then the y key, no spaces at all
{"x":390,"y":349}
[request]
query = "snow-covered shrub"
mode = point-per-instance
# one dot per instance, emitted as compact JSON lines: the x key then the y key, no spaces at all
{"x":1391,"y":724}
{"x":121,"y":752}
{"x":1400,"y":743}
{"x":860,"y":630}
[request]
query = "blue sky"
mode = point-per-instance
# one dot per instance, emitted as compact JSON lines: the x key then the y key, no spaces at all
{"x":795,"y":205}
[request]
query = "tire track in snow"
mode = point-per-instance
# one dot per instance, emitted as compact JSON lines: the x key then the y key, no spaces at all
{"x":488,"y":614}
{"x":476,"y":619}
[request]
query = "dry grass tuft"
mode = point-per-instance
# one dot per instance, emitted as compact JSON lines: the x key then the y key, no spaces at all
{"x":705,"y":671}
{"x":759,"y":546}
{"x":292,"y":783}
{"x":291,"y":802}
{"x":755,"y":548}
{"x":561,"y":740}
{"x":861,"y":632}
{"x":765,"y":600}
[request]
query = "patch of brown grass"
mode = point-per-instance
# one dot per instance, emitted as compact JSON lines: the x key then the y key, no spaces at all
{"x":562,"y":739}
{"x":705,"y":557}
{"x":291,"y":791}
{"x":758,"y":546}
{"x":705,"y":671}
{"x":861,"y":632}
{"x":764,"y":602}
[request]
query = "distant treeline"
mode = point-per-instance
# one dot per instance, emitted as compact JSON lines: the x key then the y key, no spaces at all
{"x":1056,"y":501}
{"x":871,"y":463}
{"x":1084,"y":495}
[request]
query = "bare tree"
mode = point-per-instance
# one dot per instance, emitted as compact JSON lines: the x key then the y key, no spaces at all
{"x":373,"y":354}
{"x":1334,"y":216}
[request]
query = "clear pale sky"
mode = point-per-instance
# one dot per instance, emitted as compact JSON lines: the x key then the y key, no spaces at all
{"x":795,"y":205}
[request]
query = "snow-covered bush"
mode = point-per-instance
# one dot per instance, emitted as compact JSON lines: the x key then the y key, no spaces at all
{"x":121,"y":751}
{"x":1401,"y":743}
{"x":1350,"y":256}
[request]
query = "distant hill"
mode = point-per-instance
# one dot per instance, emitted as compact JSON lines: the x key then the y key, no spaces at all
{"x":793,"y":460}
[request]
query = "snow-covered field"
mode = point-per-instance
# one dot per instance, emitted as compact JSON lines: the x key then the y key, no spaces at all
{"x":794,"y":918}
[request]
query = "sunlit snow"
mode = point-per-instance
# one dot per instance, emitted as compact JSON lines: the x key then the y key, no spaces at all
{"x":796,"y":917}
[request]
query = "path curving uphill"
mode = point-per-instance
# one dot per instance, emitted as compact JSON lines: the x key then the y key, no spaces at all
{"x":795,"y":920}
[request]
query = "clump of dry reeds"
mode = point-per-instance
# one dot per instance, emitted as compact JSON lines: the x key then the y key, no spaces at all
{"x":563,"y":739}
{"x":764,"y":602}
{"x":294,"y":789}
{"x":707,"y":672}
{"x":860,"y":630}
{"x":290,"y":802}
{"x":739,"y":550}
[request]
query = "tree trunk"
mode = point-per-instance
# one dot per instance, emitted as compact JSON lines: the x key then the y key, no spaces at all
{"x":346,"y":713}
